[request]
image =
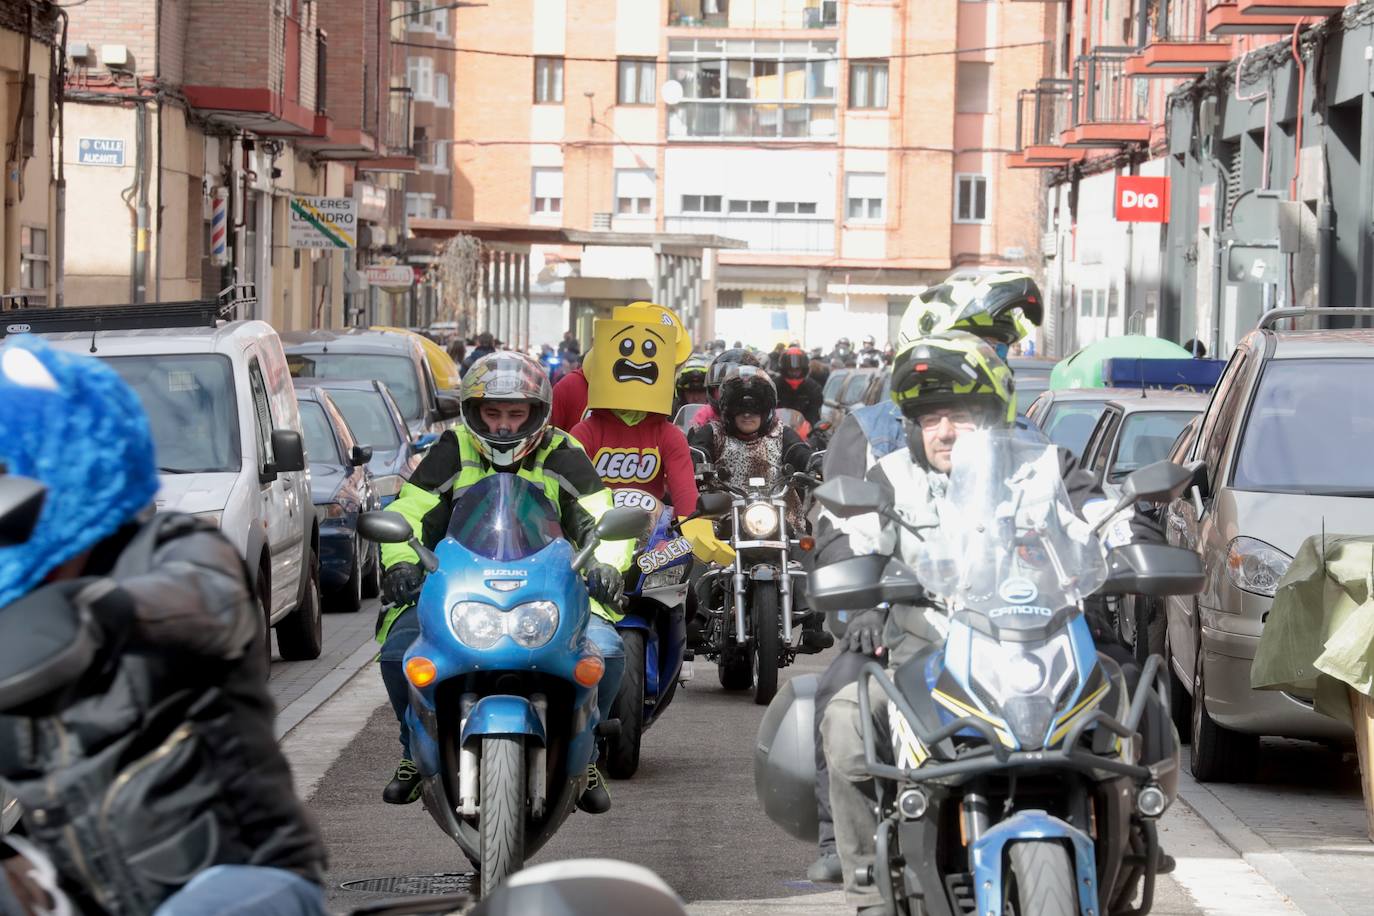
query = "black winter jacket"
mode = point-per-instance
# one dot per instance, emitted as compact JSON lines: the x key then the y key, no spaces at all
{"x":161,"y":761}
{"x":805,"y":399}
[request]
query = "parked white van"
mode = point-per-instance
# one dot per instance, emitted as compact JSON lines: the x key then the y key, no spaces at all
{"x":228,"y":437}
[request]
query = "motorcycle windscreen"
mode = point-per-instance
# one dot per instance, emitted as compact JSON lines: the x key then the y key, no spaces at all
{"x":504,"y":517}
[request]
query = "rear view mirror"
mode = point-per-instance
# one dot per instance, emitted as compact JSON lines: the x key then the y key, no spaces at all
{"x":622,"y":524}
{"x":288,"y":451}
{"x":449,"y":406}
{"x":846,"y":497}
{"x":360,"y":455}
{"x":1153,"y":569}
{"x":1198,"y":469}
{"x":1156,"y":483}
{"x":713,"y":504}
{"x":385,"y":527}
{"x":21,"y":502}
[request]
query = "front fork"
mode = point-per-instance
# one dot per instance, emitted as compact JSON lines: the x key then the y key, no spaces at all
{"x":741,"y":582}
{"x":469,"y":762}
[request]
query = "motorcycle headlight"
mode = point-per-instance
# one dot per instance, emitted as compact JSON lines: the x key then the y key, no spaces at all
{"x":476,"y":624}
{"x":533,"y":624}
{"x":1004,"y":670}
{"x":759,"y":520}
{"x":1256,"y":567}
{"x":673,"y":575}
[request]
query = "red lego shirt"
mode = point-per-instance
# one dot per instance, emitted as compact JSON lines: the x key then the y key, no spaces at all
{"x":569,"y":400}
{"x":651,"y":456}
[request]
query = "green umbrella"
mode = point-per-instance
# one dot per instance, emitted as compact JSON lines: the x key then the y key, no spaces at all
{"x":1084,"y":368}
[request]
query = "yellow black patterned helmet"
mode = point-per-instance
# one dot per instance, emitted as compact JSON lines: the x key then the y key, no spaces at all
{"x":1002,"y":308}
{"x":954,"y":370}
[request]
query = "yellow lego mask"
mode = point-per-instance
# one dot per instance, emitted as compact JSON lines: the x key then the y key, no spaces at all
{"x":632,"y":364}
{"x":655,"y":313}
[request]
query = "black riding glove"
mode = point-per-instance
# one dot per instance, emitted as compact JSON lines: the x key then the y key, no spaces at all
{"x":401,"y":583}
{"x":865,"y":633}
{"x":605,"y":583}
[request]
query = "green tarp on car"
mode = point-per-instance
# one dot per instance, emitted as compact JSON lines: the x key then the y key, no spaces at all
{"x":1084,"y":368}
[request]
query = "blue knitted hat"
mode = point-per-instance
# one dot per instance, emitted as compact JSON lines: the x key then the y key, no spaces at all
{"x":70,"y":422}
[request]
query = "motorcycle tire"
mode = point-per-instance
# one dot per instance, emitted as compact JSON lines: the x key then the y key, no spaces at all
{"x":767,"y":640}
{"x":1042,"y":880}
{"x":622,"y":751}
{"x":502,"y":822}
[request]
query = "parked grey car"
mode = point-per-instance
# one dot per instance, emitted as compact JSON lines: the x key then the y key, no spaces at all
{"x":1069,"y":415}
{"x":1134,"y":431}
{"x":1282,"y":454}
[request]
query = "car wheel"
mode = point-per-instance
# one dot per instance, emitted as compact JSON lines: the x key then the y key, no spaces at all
{"x":300,"y":636}
{"x":264,"y":596}
{"x":372,"y":576}
{"x":1217,"y":754}
{"x":349,"y":599}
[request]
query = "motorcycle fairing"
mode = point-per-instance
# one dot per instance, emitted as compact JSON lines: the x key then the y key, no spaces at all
{"x":502,"y":714}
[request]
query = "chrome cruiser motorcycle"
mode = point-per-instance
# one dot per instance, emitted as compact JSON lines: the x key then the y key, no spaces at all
{"x":1017,"y":769}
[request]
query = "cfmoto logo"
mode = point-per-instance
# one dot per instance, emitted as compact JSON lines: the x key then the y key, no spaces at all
{"x":1132,"y":200}
{"x":1018,"y":591}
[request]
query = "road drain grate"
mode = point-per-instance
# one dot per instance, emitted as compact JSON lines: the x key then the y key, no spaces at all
{"x":414,"y":884}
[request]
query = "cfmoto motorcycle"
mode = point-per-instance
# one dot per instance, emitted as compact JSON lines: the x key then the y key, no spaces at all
{"x":503,"y":716}
{"x":1017,"y":769}
{"x":752,"y":631}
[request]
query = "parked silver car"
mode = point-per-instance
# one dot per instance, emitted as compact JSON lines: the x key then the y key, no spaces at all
{"x":1282,"y":454}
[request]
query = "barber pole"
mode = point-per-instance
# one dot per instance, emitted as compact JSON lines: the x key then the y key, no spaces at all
{"x":219,"y":227}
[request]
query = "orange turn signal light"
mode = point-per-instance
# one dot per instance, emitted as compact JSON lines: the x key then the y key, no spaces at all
{"x":589,"y":670}
{"x":420,"y":671}
{"x":806,"y":542}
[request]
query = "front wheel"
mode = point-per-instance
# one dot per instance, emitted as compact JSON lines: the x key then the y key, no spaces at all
{"x":1041,"y":880}
{"x":622,"y":752}
{"x":502,"y":821}
{"x":766,"y":643}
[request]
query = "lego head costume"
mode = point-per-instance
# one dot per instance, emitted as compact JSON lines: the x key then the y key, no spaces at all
{"x":634,"y":360}
{"x":72,"y":424}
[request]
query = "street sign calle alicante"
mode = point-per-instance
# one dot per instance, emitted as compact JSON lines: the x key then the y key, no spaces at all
{"x":98,"y":151}
{"x":324,"y":222}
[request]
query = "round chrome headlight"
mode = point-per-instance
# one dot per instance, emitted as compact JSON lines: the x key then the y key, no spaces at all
{"x":759,"y":520}
{"x":533,"y":625}
{"x":476,"y":624}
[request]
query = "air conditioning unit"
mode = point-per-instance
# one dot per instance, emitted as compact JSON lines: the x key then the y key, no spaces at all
{"x":1049,"y":244}
{"x":601,"y":221}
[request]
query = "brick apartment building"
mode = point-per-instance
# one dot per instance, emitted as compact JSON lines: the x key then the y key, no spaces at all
{"x":851,"y":143}
{"x":194,"y":122}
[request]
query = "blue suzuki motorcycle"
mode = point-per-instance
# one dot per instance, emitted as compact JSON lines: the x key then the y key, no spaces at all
{"x":654,"y":630}
{"x":503,"y":716}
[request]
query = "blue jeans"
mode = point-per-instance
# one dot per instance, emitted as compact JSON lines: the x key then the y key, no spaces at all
{"x":246,"y":890}
{"x":606,"y":637}
{"x":404,"y":630}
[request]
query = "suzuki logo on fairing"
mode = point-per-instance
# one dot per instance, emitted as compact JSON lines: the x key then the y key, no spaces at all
{"x":1018,"y":591}
{"x":1134,"y":199}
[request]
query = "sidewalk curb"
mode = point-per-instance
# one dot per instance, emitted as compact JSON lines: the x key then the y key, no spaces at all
{"x":298,"y":710}
{"x":1271,"y":864}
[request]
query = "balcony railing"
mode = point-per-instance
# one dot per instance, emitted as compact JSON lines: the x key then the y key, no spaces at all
{"x":1043,"y":113}
{"x":1174,"y":40}
{"x":720,"y":14}
{"x":1171,"y":21}
{"x":1101,"y":92}
{"x":321,"y":71}
{"x":400,"y":125}
{"x":780,"y":236}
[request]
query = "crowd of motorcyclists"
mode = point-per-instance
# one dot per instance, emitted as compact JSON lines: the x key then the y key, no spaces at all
{"x":173,"y":685}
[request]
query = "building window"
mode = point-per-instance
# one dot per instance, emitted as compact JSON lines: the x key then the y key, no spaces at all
{"x":749,"y":206}
{"x":548,"y":191}
{"x":438,"y":158}
{"x":33,"y":264}
{"x":865,"y":193}
{"x":548,"y":80}
{"x":760,"y":89}
{"x":441,"y":95}
{"x":970,"y":198}
{"x":795,"y":208}
{"x":701,"y":203}
{"x":420,"y":77}
{"x":729,"y":298}
{"x":868,"y":84}
{"x":419,"y":206}
{"x":636,"y":81}
{"x":972,"y":81}
{"x":634,"y":192}
{"x":439,"y":21}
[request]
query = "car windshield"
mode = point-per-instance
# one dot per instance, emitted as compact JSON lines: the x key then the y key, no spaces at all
{"x":856,"y":386}
{"x":191,"y":409}
{"x":1305,"y":433}
{"x":397,"y":371}
{"x":1146,"y":437}
{"x":1070,"y":423}
{"x":320,"y":445}
{"x":504,"y":517}
{"x":368,"y":417}
{"x":834,"y":384}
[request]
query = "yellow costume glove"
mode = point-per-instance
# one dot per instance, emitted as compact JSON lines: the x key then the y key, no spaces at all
{"x":707,"y":547}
